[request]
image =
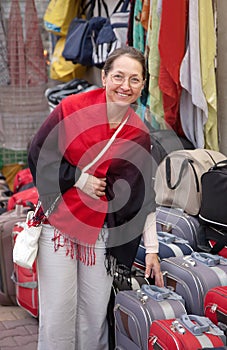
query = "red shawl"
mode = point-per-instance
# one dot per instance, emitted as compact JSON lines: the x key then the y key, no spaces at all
{"x":81,"y":128}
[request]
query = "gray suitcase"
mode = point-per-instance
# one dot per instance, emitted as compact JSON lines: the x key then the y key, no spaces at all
{"x":179,"y":223}
{"x":193,"y":275}
{"x":135,"y":310}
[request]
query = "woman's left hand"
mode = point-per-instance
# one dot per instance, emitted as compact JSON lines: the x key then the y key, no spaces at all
{"x":153,"y":269}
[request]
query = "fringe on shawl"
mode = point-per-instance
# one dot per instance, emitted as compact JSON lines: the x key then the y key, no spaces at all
{"x":84,"y":253}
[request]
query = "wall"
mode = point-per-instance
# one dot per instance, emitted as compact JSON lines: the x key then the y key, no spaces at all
{"x":222,"y":72}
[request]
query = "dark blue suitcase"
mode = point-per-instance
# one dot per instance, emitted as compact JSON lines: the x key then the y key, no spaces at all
{"x":169,"y":245}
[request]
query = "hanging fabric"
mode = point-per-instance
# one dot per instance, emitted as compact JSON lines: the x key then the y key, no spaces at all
{"x":155,"y":94}
{"x":207,"y":57}
{"x":36,"y":70}
{"x":193,"y":105}
{"x":172,"y":37}
{"x":59,"y":14}
{"x":15,"y":46}
{"x":4,"y":72}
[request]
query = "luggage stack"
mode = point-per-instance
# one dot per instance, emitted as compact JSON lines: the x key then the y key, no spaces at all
{"x":190,"y":268}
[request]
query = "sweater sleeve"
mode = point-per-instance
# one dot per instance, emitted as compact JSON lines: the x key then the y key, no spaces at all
{"x":150,"y":237}
{"x":52,"y":173}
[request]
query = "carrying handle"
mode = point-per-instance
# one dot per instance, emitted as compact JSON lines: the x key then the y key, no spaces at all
{"x":221,"y":164}
{"x":184,"y":165}
{"x":160,"y":293}
{"x":124,"y":7}
{"x":206,"y":258}
{"x":90,"y":6}
{"x":169,"y":238}
{"x":29,"y":285}
{"x":198,"y":327}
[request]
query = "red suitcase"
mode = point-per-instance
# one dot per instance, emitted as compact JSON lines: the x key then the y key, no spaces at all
{"x":26,"y":282}
{"x":215,"y":304}
{"x":189,"y":332}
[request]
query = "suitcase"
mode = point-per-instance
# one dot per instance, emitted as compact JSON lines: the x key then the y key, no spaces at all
{"x":7,"y":221}
{"x":169,"y":245}
{"x":215,"y":305}
{"x":181,"y":224}
{"x":135,"y":310}
{"x":189,"y":332}
{"x":121,"y":283}
{"x":26,"y":282}
{"x":193,"y":275}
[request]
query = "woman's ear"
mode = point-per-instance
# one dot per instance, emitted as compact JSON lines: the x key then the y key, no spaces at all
{"x":103,"y":79}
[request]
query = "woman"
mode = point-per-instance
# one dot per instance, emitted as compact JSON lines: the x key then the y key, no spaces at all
{"x":95,"y":217}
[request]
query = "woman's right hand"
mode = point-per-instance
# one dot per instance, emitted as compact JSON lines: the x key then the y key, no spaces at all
{"x":94,"y":187}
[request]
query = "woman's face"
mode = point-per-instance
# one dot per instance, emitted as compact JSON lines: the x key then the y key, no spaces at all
{"x":124,"y":82}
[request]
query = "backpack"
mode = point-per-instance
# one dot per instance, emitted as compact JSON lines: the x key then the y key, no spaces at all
{"x":178,"y":178}
{"x":82,"y":31}
{"x":213,"y":211}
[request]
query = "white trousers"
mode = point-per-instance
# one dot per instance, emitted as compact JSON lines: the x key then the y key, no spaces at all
{"x":73,"y":297}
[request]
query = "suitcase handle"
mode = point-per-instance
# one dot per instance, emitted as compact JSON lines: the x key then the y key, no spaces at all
{"x":197,"y":328}
{"x":206,"y":258}
{"x":169,"y":238}
{"x":200,"y":325}
{"x":160,"y":293}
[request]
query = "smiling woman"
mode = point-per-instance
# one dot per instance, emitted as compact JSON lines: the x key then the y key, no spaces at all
{"x":97,"y":224}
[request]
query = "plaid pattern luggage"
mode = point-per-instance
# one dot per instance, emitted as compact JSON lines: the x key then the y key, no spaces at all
{"x":179,"y":223}
{"x":169,"y":245}
{"x":193,"y":275}
{"x":215,"y":305}
{"x":189,"y":332}
{"x":26,"y":282}
{"x":134,"y":312}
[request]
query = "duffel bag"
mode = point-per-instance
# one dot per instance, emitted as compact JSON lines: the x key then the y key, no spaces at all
{"x":178,"y":178}
{"x":213,"y":209}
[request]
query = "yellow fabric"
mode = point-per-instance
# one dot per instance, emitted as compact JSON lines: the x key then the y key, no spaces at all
{"x":63,"y":70}
{"x":10,"y":171}
{"x":59,"y":14}
{"x":207,"y":57}
{"x":156,"y":104}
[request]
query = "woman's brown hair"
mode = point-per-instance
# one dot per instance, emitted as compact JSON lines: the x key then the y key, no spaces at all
{"x":128,"y":51}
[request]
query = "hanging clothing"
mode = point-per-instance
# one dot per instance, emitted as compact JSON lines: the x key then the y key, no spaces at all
{"x":193,"y":105}
{"x":207,"y":57}
{"x":172,"y":41}
{"x":155,"y":94}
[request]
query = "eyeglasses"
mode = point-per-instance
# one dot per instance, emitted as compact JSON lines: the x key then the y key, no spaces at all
{"x":119,"y":79}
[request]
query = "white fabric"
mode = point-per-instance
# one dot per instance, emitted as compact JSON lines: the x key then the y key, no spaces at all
{"x":73,"y":298}
{"x":82,"y":180}
{"x":193,"y":105}
{"x":26,"y":246}
{"x":150,"y":237}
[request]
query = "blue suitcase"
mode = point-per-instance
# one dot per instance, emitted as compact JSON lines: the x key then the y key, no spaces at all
{"x":179,"y":223}
{"x":193,"y":275}
{"x":169,"y":245}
